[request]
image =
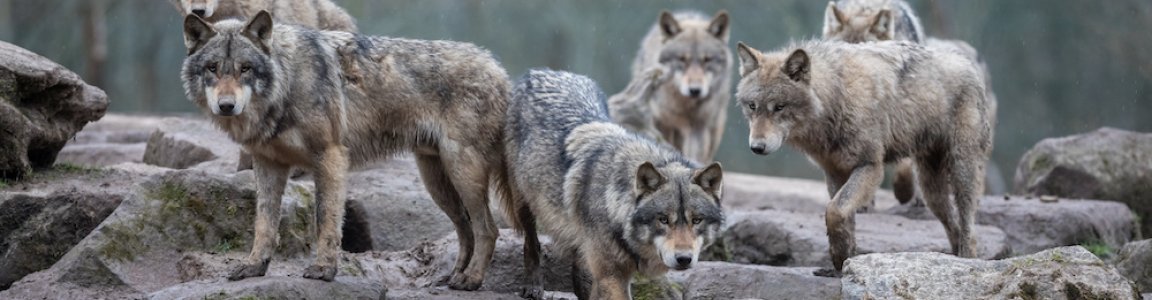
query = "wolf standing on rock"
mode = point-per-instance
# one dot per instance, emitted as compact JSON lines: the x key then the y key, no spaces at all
{"x":323,"y":100}
{"x":853,"y":107}
{"x":624,"y":203}
{"x":688,"y":109}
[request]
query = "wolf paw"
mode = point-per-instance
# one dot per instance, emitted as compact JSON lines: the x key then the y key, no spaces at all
{"x":463,"y":282}
{"x":248,"y":270}
{"x":532,"y":292}
{"x":325,"y":273}
{"x":827,"y":272}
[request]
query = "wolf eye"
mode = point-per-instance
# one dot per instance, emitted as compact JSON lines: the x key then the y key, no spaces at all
{"x":696,"y":221}
{"x":752,"y":106}
{"x":663,"y":220}
{"x":211,"y":68}
{"x":779,"y":107}
{"x":245,"y":69}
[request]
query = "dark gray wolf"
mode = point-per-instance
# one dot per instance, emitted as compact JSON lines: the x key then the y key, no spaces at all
{"x":324,"y":100}
{"x":624,"y":203}
{"x":853,"y":107}
{"x":317,"y":14}
{"x":689,"y":108}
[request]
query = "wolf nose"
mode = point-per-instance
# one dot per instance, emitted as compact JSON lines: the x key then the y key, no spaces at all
{"x":198,"y":12}
{"x":226,"y":108}
{"x":694,"y":92}
{"x":683,"y":261}
{"x":759,"y":149}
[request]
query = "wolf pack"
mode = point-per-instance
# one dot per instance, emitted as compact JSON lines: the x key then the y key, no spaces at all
{"x":625,"y":184}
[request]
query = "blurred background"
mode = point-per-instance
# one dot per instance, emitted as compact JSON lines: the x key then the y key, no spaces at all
{"x":1059,"y":67}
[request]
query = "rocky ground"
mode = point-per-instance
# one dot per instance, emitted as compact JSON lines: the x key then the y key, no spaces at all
{"x":154,"y":207}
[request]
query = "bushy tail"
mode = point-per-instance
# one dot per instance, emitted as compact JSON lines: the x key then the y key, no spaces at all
{"x":510,"y":204}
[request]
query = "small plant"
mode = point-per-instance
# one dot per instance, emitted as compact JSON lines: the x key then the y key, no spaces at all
{"x":1098,"y":248}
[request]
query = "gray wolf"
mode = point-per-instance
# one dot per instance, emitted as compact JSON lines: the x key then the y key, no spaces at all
{"x":632,"y":107}
{"x":853,"y":107}
{"x":317,"y":14}
{"x":690,"y":108}
{"x":624,"y":203}
{"x":325,"y":100}
{"x":857,"y":21}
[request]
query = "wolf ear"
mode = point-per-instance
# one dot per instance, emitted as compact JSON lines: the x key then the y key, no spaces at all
{"x":668,"y":25}
{"x":196,"y":33}
{"x":834,"y":19}
{"x":882,"y":24}
{"x":749,"y":58}
{"x":719,"y":25}
{"x":798,"y":66}
{"x":648,"y":179}
{"x":710,"y":179}
{"x":259,"y":30}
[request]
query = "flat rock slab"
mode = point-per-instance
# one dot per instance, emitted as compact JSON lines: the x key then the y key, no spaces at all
{"x":272,"y":287}
{"x":1033,"y":225}
{"x":755,"y":192}
{"x":181,"y":143}
{"x":1059,"y":273}
{"x":721,"y":280}
{"x":800,"y":239}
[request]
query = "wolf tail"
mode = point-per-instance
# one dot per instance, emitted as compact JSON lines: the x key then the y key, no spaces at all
{"x":514,"y":208}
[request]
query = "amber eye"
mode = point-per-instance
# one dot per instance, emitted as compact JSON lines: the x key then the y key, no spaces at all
{"x":245,"y":69}
{"x":211,"y":68}
{"x":696,"y":221}
{"x":779,"y":107}
{"x":663,"y":220}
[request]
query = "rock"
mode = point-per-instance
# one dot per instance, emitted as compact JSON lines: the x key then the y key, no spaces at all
{"x":42,"y":105}
{"x":1135,"y":262}
{"x":36,"y":231}
{"x":1106,"y":164}
{"x":271,"y":287}
{"x":800,"y":239}
{"x":1033,"y":225}
{"x":191,"y":143}
{"x":1059,"y":273}
{"x":112,"y":140}
{"x":396,"y":206}
{"x":104,"y":154}
{"x":721,"y":280}
{"x":755,"y":192}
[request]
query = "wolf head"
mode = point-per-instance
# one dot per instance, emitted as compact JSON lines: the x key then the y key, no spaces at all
{"x":677,"y":211}
{"x":696,"y":51}
{"x":775,"y":95}
{"x":228,"y":63}
{"x":858,"y":24}
{"x":200,"y":8}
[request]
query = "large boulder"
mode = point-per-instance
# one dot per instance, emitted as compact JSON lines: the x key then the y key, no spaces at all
{"x":112,"y":140}
{"x":391,"y":200}
{"x":182,"y":143}
{"x":1106,"y":164}
{"x":1033,"y":225}
{"x":1059,"y":273}
{"x":1135,"y":262}
{"x":721,"y":280}
{"x":800,"y":239}
{"x":756,"y":192}
{"x":42,"y":106}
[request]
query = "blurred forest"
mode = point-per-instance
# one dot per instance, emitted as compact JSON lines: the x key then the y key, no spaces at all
{"x":1059,"y":67}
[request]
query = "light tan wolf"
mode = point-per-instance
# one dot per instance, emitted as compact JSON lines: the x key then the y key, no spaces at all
{"x":325,"y":100}
{"x":317,"y":14}
{"x":624,"y":203}
{"x":689,"y":109}
{"x":853,"y":107}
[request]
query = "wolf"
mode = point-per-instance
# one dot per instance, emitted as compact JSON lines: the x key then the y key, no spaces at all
{"x":690,"y":108}
{"x":853,"y":107}
{"x":857,"y":21}
{"x":325,"y":100}
{"x":623,"y":203}
{"x":317,"y":14}
{"x":632,"y":107}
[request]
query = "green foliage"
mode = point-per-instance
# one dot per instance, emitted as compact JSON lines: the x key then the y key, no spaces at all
{"x":1098,"y":248}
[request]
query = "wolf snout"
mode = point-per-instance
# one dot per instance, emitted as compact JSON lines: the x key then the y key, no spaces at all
{"x":227,"y":106}
{"x":683,"y":261}
{"x":199,"y":12}
{"x":694,"y":92}
{"x":759,"y":148}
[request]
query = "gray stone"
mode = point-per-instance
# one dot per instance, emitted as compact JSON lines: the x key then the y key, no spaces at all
{"x":396,"y":206}
{"x":1135,"y":262}
{"x":800,"y":239}
{"x":756,"y":192}
{"x":42,"y":106}
{"x":1033,"y":225}
{"x":191,"y":143}
{"x":1059,"y":273}
{"x":272,"y":287}
{"x":104,"y":154}
{"x":36,"y":231}
{"x":721,"y":280}
{"x":1106,"y":164}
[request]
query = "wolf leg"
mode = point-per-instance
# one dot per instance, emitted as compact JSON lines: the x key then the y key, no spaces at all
{"x":444,"y":194}
{"x":270,"y":180}
{"x":470,"y":177}
{"x":968,"y":185}
{"x":609,"y":280}
{"x":535,"y":287}
{"x":904,"y":182}
{"x":330,"y":212}
{"x":581,"y":279}
{"x":933,"y":174}
{"x":840,"y":216}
